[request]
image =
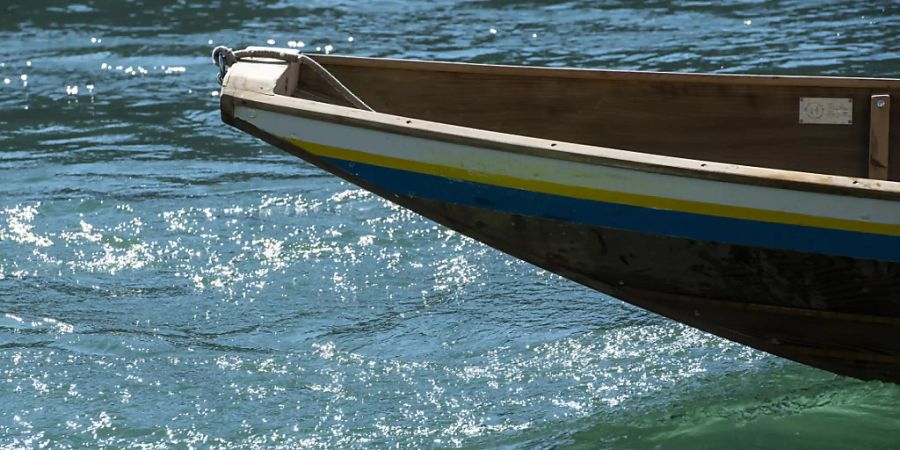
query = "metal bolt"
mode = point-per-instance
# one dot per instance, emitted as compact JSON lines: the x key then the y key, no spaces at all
{"x":880,"y":103}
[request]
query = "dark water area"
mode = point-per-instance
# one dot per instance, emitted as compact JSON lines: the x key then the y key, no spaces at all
{"x":166,"y":281}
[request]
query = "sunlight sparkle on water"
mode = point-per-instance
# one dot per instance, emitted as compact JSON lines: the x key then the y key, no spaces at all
{"x":169,"y":281}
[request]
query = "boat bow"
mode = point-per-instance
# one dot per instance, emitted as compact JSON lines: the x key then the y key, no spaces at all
{"x":799,"y":264}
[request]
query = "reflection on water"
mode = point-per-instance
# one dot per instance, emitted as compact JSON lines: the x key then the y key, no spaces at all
{"x":168,"y":281}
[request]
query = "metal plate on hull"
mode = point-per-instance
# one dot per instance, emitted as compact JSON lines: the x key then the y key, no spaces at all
{"x":826,"y":111}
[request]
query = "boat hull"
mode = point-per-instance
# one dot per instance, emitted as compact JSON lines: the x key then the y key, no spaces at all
{"x":824,"y":296}
{"x":661,"y":274}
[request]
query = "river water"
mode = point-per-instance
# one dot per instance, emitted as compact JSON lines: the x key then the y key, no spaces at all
{"x":166,"y":281}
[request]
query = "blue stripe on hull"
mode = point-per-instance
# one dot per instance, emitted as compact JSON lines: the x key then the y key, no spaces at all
{"x":634,"y":218}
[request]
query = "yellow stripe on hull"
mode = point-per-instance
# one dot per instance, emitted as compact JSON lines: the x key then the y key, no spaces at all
{"x":579,"y":192}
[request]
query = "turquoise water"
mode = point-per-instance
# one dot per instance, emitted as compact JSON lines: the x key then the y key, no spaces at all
{"x":166,"y":281}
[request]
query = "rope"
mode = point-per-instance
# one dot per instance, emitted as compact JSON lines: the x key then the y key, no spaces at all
{"x":224,"y":57}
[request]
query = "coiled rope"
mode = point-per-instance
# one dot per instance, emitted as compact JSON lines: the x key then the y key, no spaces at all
{"x":225,"y":57}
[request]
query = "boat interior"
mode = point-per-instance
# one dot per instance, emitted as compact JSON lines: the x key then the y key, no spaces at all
{"x":825,"y":125}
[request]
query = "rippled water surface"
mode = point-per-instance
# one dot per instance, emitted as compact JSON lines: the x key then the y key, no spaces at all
{"x":168,"y":281}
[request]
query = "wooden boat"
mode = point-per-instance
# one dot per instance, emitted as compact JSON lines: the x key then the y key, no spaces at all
{"x":762,"y":209}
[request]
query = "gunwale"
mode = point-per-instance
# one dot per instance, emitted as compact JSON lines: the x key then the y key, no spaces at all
{"x":671,"y":165}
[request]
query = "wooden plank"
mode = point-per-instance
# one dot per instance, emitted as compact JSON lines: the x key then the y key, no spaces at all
{"x":879,"y":135}
{"x":610,"y":75}
{"x":747,"y":124}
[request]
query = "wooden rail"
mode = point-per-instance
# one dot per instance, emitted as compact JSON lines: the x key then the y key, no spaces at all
{"x":879,"y":135}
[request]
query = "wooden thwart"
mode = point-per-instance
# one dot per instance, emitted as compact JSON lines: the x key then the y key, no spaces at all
{"x":879,"y":133}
